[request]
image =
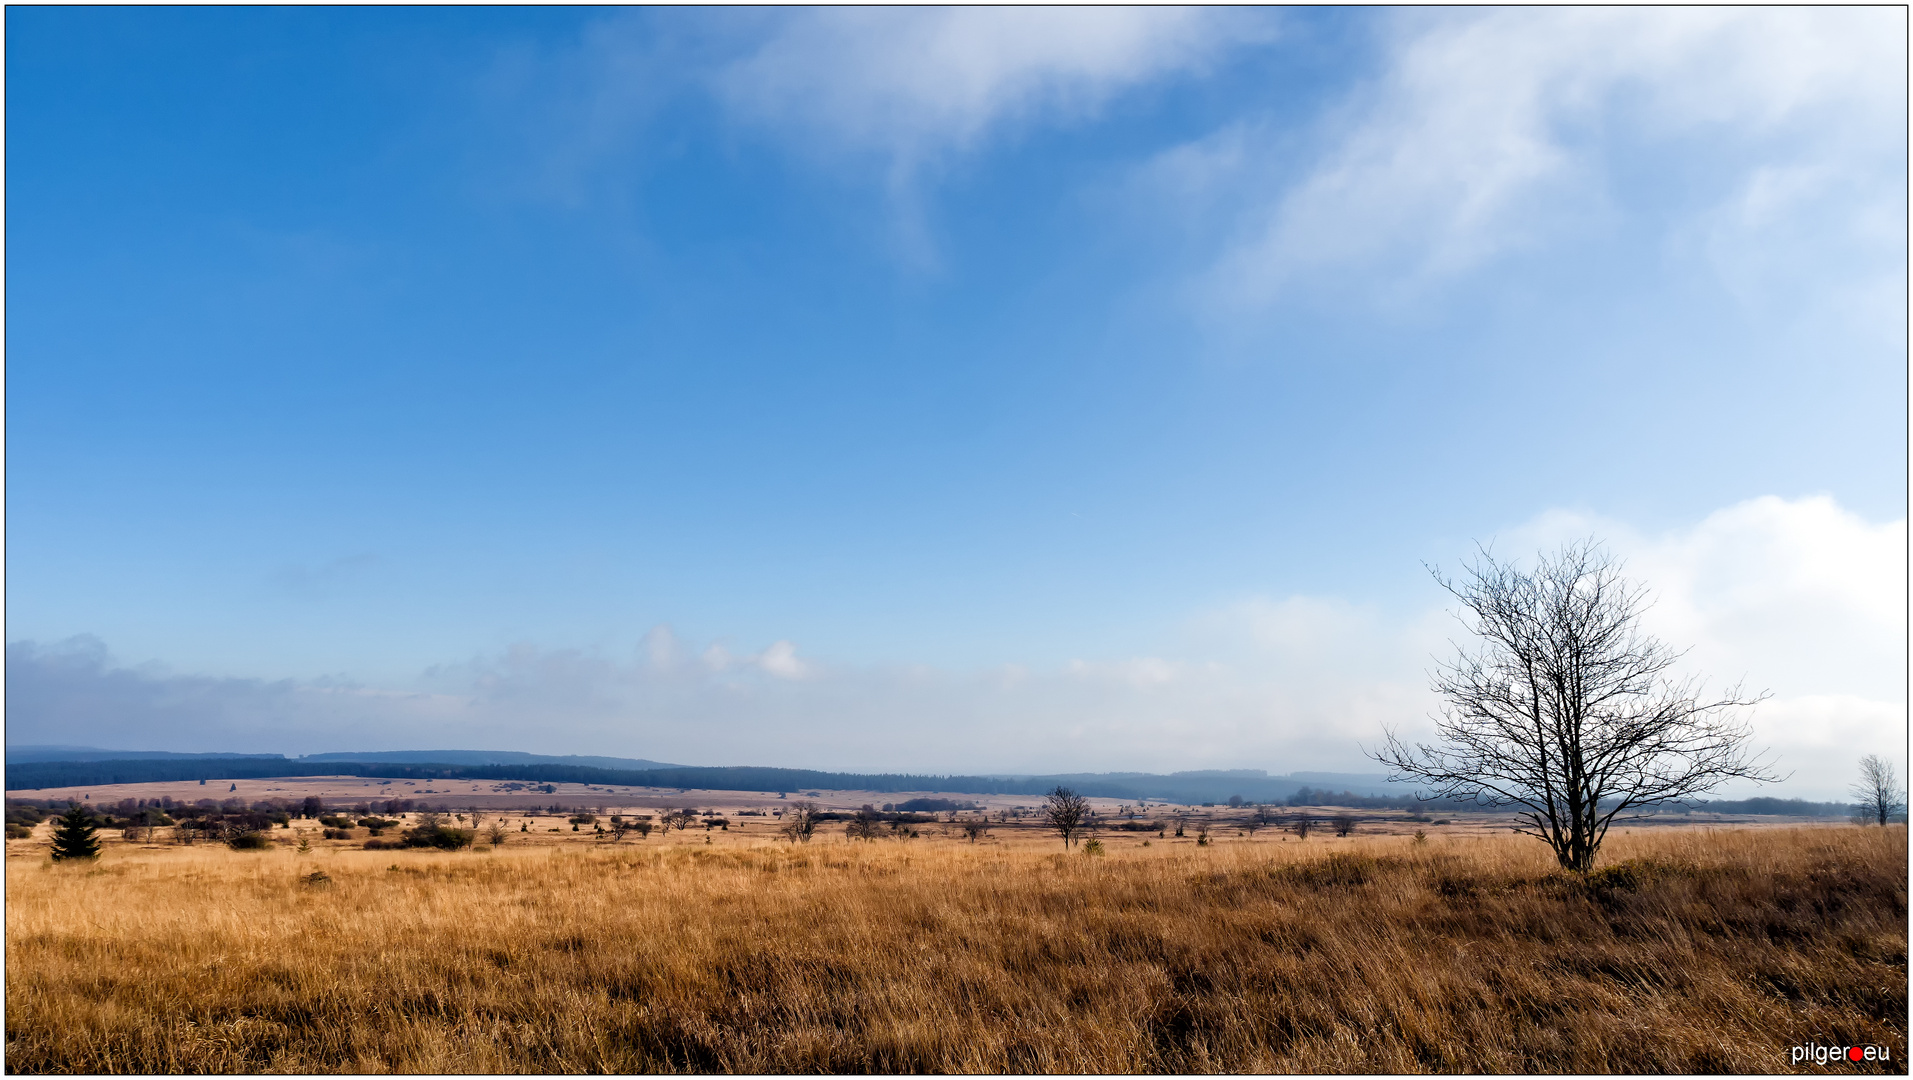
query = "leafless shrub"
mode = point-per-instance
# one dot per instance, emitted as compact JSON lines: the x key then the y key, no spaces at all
{"x":800,"y":821}
{"x":864,"y":825}
{"x":1066,"y":812}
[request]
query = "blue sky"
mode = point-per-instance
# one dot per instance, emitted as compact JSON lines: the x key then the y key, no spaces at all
{"x":932,"y":389}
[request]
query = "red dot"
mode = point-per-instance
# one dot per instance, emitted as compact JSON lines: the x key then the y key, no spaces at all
{"x":1853,"y":1053}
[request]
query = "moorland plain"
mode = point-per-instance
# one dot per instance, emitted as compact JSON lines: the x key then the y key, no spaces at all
{"x":1690,"y":950}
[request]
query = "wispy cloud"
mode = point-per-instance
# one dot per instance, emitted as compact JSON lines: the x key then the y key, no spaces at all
{"x":909,"y":91}
{"x":915,"y":84}
{"x":1748,"y":135}
{"x":893,"y":96}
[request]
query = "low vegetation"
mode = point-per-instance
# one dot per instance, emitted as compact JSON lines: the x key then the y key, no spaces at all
{"x":1684,"y":951}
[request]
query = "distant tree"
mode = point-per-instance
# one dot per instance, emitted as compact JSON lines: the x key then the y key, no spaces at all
{"x":1878,"y":791}
{"x":312,"y":807}
{"x":1235,"y":802}
{"x":643,"y":825}
{"x":1301,"y":826}
{"x":800,"y":821}
{"x":678,"y":819}
{"x":976,"y":828}
{"x":1066,"y":812}
{"x":1344,"y":824}
{"x":73,"y":835}
{"x":1259,"y":818}
{"x":864,"y":825}
{"x":1568,"y":709}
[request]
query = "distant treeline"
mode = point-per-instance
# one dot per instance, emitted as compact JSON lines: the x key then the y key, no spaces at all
{"x":1322,"y":797}
{"x":1768,"y":805}
{"x":48,"y":774}
{"x":1188,"y":789}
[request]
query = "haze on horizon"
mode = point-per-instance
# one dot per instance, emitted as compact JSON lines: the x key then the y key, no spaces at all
{"x":936,"y":390}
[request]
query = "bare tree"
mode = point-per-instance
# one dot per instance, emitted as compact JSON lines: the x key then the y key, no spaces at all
{"x":976,"y":828}
{"x":864,"y":825}
{"x":1567,"y":709}
{"x":800,"y":821}
{"x":1343,"y":823}
{"x":1302,"y":825}
{"x":678,"y":819}
{"x":1066,"y":812}
{"x":1878,"y":791}
{"x":1256,"y":820}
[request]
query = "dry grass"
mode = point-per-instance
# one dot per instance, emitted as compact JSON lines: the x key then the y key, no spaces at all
{"x":1697,"y":951}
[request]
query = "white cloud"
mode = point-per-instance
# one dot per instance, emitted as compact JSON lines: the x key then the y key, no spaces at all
{"x":1494,"y":131}
{"x":1798,"y":596}
{"x":909,"y":90}
{"x":915,"y":83}
{"x":781,"y":660}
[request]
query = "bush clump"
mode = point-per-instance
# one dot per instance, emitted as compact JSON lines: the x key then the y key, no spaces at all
{"x":443,"y":837}
{"x":338,"y":834}
{"x":248,"y":841}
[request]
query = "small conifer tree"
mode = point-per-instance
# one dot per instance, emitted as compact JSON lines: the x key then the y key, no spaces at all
{"x":73,"y":835}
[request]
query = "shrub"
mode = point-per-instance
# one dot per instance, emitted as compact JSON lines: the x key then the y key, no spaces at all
{"x":18,"y":832}
{"x":248,"y":841}
{"x":336,"y":821}
{"x":381,"y":845}
{"x":338,"y":834}
{"x":863,"y":826}
{"x":443,"y":837}
{"x":1092,"y":847}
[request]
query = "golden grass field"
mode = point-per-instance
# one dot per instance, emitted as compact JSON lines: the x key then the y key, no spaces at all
{"x":1696,"y":951}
